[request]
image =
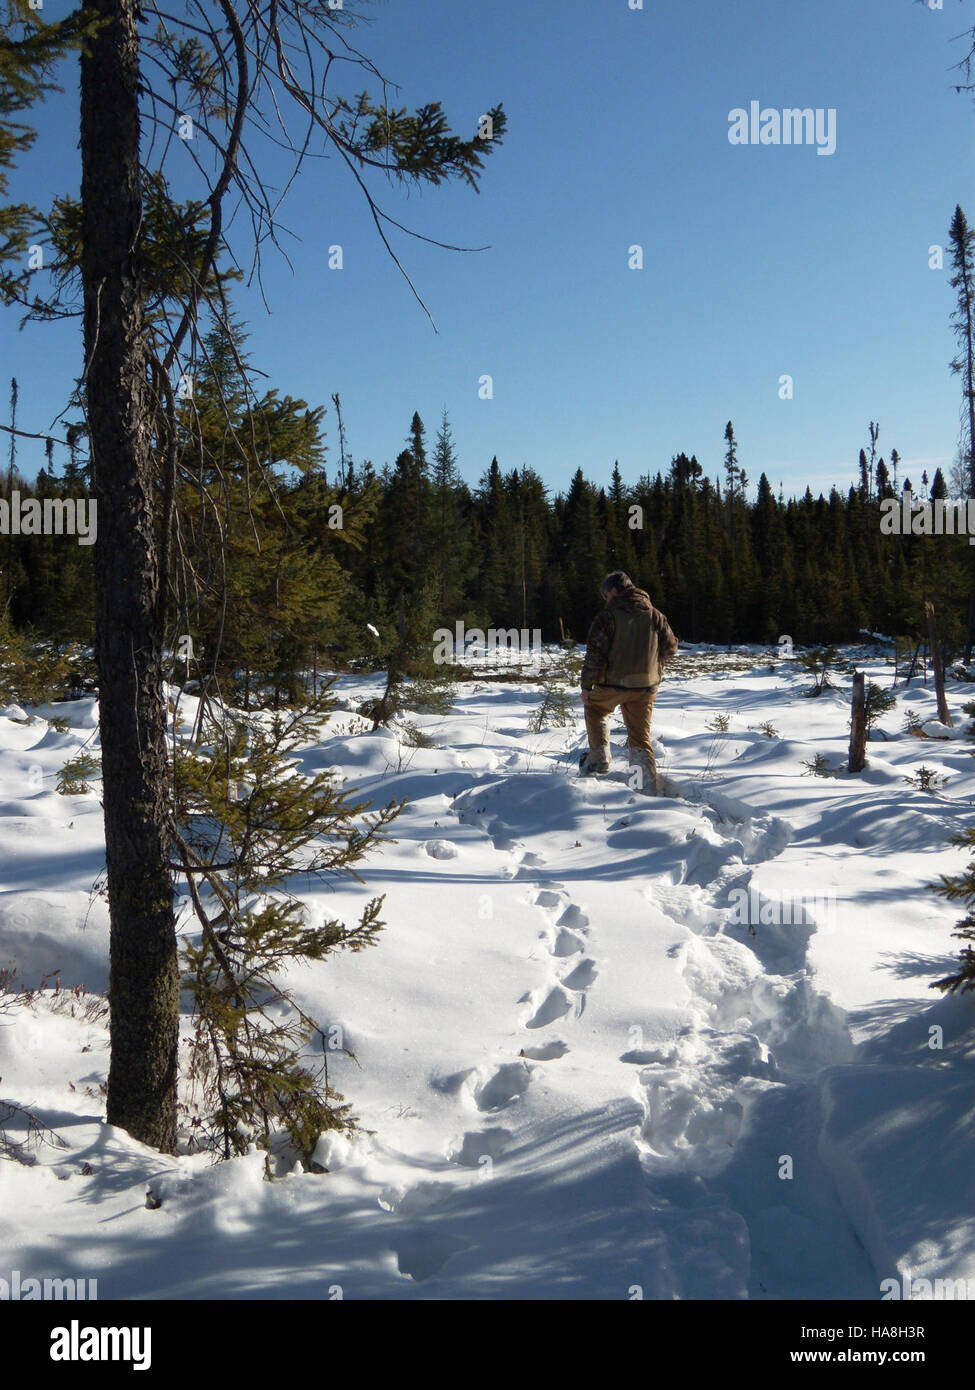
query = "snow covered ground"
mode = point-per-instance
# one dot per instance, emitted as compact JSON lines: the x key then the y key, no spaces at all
{"x":608,"y":1046}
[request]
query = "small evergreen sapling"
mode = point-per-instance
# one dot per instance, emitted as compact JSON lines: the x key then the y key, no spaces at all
{"x":818,"y":766}
{"x":926,"y":779}
{"x":961,"y":888}
{"x":73,"y":779}
{"x":878,"y":703}
{"x":558,"y":682}
{"x":817,"y":661}
{"x":32,"y":671}
{"x":914,"y":724}
{"x":246,"y":823}
{"x":414,"y":737}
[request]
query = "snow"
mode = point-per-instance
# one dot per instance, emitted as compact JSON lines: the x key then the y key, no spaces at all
{"x":578,"y":1072}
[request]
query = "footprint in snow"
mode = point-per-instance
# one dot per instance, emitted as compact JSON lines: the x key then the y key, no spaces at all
{"x":643,"y":1057}
{"x":407,"y":1201}
{"x":507,"y":1085}
{"x":546,"y":898}
{"x":423,"y":1254}
{"x":554,"y":1005}
{"x":582,"y":976}
{"x":567,"y":943}
{"x":478,"y":1144}
{"x":574,"y":917}
{"x":546,"y":1052}
{"x":501,"y":837}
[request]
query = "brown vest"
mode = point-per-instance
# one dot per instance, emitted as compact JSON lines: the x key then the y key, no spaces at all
{"x":633,"y":652}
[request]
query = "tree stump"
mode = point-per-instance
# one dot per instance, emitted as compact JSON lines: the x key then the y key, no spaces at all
{"x":858,"y":724}
{"x":939,"y":671}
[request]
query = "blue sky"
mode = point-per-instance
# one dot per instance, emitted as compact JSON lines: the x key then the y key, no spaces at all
{"x":759,"y":261}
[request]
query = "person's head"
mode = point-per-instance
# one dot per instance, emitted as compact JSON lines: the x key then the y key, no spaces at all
{"x":614,"y":584}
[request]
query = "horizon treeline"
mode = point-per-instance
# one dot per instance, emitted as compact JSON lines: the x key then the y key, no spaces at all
{"x":291,"y":561}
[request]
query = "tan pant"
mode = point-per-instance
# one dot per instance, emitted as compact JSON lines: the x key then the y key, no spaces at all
{"x":636,"y":707}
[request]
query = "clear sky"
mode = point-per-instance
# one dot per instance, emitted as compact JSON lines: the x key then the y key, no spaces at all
{"x":759,"y":260}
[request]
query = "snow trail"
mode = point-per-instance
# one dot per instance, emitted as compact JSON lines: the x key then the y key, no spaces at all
{"x":700,"y":1086}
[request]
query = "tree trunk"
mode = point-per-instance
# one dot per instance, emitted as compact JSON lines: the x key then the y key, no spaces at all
{"x":939,"y":670}
{"x":858,"y":724}
{"x":144,"y":980}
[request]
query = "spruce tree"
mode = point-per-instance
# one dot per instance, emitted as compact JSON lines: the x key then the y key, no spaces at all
{"x":249,"y":831}
{"x":449,"y":527}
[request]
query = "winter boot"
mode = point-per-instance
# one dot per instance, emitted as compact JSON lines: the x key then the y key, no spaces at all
{"x":643,"y":776}
{"x":588,"y":767}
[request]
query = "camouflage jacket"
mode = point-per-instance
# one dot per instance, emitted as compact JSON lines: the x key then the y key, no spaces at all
{"x":599,"y":643}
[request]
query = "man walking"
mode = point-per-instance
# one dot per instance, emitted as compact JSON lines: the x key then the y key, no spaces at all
{"x":627,"y":645}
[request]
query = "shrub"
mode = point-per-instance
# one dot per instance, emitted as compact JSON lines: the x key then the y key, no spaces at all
{"x":926,"y":779}
{"x":73,"y":777}
{"x":878,"y":703}
{"x":818,"y":661}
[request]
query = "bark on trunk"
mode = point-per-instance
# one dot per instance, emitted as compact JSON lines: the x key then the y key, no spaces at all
{"x":144,"y":981}
{"x":939,"y":670}
{"x":858,"y":724}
